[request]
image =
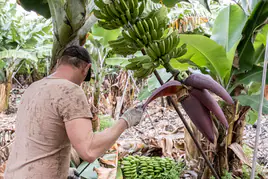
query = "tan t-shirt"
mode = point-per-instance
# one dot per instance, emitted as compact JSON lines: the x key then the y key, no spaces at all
{"x":41,"y":149}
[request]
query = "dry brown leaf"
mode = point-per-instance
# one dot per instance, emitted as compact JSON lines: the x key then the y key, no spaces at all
{"x":106,"y":173}
{"x":169,"y":146}
{"x":111,"y":157}
{"x":238,"y":150}
{"x":131,"y":146}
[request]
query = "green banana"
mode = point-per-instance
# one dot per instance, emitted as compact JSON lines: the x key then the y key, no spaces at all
{"x":101,"y":15}
{"x":99,"y":3}
{"x":118,"y":22}
{"x":123,"y":5}
{"x":160,"y":33}
{"x":132,"y":34}
{"x":168,"y":44}
{"x":123,"y":18}
{"x":140,"y":27}
{"x":157,"y":49}
{"x":108,"y":26}
{"x":132,"y":66}
{"x":136,"y":3}
{"x":118,"y":7}
{"x":131,"y":5}
{"x":151,"y":53}
{"x":182,"y":52}
{"x":145,"y":25}
{"x":184,"y":46}
{"x":136,"y":30}
{"x":154,"y":34}
{"x":109,"y":11}
{"x":140,"y":44}
{"x":149,"y":37}
{"x":135,"y":14}
{"x":147,"y":66}
{"x":128,"y":15}
{"x":156,"y":23}
{"x":142,"y":7}
{"x":162,"y":47}
{"x":113,"y":9}
{"x":144,"y":39}
{"x":150,"y":23}
{"x":127,"y":37}
{"x":171,"y":43}
{"x":142,"y":73}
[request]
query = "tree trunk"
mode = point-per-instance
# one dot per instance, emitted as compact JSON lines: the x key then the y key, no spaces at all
{"x":3,"y":102}
{"x":96,"y":99}
{"x":238,"y":134}
{"x":5,"y":89}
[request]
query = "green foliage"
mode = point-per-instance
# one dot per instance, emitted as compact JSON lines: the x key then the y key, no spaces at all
{"x":152,"y":84}
{"x":169,"y":3}
{"x":226,"y":175}
{"x":254,"y":88}
{"x":246,"y":171}
{"x":227,"y":28}
{"x":105,"y":122}
{"x":39,"y":6}
{"x":253,"y":101}
{"x":205,"y":52}
{"x":104,"y":35}
{"x":117,"y":61}
{"x":245,"y":47}
{"x":252,"y":117}
{"x":20,"y":29}
{"x":144,"y":93}
{"x":254,"y":75}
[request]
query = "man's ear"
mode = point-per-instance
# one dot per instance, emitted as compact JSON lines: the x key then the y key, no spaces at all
{"x":58,"y":63}
{"x":87,"y":68}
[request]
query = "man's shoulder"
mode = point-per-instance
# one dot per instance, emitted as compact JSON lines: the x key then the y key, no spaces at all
{"x":54,"y":84}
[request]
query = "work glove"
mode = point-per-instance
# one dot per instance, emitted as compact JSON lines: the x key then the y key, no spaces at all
{"x":133,"y":116}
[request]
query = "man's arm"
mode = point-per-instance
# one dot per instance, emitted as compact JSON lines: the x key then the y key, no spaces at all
{"x":91,"y":145}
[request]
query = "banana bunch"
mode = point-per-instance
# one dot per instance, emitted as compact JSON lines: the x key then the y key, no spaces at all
{"x":123,"y":47}
{"x":118,"y":12}
{"x":142,"y":66}
{"x":166,"y":49}
{"x":129,"y":167}
{"x":144,"y":31}
{"x":141,"y":167}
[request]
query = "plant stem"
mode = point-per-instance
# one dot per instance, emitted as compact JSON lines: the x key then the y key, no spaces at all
{"x":170,"y":69}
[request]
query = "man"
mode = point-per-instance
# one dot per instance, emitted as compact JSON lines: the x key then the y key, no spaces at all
{"x":53,"y":115}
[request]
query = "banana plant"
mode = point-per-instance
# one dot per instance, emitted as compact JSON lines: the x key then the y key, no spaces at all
{"x":22,"y":40}
{"x":71,"y":21}
{"x":241,"y":39}
{"x":98,"y":49}
{"x":164,"y":47}
{"x":12,"y":60}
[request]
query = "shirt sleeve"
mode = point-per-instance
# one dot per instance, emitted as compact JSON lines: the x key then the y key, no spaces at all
{"x":73,"y":104}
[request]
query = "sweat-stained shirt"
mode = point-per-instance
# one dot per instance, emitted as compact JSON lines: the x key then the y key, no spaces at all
{"x":41,"y":149}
